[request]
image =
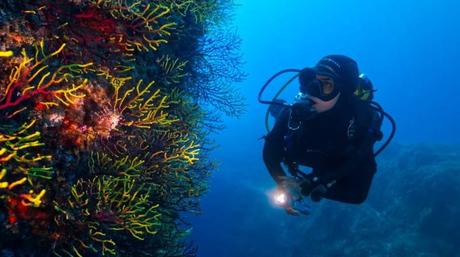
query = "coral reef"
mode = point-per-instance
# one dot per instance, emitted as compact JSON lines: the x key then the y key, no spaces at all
{"x":105,"y":122}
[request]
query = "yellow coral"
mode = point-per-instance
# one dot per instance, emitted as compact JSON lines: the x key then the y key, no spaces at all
{"x":18,"y":163}
{"x":8,"y":53}
{"x":103,"y":163}
{"x":185,"y":151}
{"x":147,"y":19}
{"x":33,"y":200}
{"x":33,"y":77}
{"x":110,"y":204}
{"x":139,"y":106}
{"x":173,"y":69}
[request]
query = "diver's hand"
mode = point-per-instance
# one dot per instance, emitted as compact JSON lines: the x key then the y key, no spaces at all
{"x":318,"y":192}
{"x":302,"y":111}
{"x":316,"y":189}
{"x":291,"y":187}
{"x":308,"y":184}
{"x":288,"y":196}
{"x":288,"y":191}
{"x":291,"y":211}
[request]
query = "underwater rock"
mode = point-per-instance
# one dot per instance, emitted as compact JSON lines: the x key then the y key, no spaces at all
{"x":413,"y":209}
{"x":6,"y":253}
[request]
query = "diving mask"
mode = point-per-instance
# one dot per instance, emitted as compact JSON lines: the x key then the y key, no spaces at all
{"x":317,"y":85}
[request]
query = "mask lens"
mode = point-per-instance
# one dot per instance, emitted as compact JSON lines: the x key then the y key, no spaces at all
{"x":316,"y":85}
{"x":313,"y":88}
{"x":327,"y":87}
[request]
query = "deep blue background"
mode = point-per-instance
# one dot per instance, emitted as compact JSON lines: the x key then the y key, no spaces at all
{"x":410,"y":49}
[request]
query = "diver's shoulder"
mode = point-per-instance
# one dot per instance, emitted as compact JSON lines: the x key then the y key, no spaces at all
{"x":362,"y":105}
{"x":364,"y":111}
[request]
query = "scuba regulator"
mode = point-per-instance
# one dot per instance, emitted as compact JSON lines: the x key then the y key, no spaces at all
{"x":302,"y":110}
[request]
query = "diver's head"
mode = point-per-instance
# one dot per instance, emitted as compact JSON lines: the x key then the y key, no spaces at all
{"x":333,"y":77}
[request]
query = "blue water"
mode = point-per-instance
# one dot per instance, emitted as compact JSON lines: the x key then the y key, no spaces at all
{"x":410,"y":50}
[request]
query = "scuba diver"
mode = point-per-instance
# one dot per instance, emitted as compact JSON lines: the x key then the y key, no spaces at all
{"x":332,"y":128}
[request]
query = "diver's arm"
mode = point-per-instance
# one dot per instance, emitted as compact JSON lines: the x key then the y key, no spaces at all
{"x":273,"y":149}
{"x":272,"y":159}
{"x":357,"y":157}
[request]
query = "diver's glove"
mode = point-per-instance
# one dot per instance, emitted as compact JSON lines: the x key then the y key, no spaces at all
{"x":315,"y":188}
{"x":291,"y":189}
{"x":308,"y":184}
{"x":302,"y":110}
{"x":318,"y":192}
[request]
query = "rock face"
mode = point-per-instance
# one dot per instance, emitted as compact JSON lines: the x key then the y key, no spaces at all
{"x":413,"y":209}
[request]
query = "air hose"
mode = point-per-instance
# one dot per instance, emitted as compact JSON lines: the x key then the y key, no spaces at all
{"x":273,"y":101}
{"x":383,"y":114}
{"x":373,"y":104}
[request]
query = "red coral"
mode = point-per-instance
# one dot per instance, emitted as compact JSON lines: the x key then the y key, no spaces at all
{"x":108,"y":217}
{"x":17,"y":210}
{"x":102,"y":28}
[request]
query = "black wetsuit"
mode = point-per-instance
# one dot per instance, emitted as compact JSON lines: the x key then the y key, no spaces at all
{"x":337,"y":145}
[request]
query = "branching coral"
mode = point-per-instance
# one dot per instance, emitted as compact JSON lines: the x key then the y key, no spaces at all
{"x":102,"y":163}
{"x":111,"y":208}
{"x":180,"y":6}
{"x":184,"y":151}
{"x":146,"y":22}
{"x":216,"y":66}
{"x":140,"y":106}
{"x":8,"y":53}
{"x":90,"y":33}
{"x":67,"y":96}
{"x":22,"y":171}
{"x":34,"y":76}
{"x":146,"y":154}
{"x":114,"y":143}
{"x":173,"y":69}
{"x":15,"y":148}
{"x":202,"y":11}
{"x":99,"y":117}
